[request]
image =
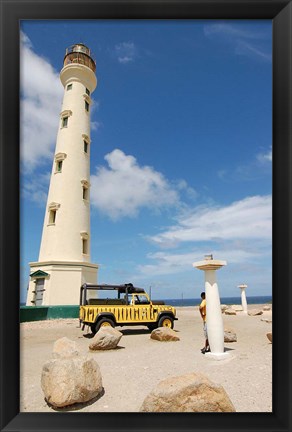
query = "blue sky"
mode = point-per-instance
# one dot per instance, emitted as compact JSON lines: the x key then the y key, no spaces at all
{"x":181,"y":153}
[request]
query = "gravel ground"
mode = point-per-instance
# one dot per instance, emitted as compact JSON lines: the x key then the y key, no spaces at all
{"x":132,"y":370}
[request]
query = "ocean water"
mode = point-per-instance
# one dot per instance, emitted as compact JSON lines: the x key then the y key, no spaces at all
{"x":223,"y":300}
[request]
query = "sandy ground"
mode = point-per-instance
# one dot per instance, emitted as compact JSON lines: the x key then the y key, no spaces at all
{"x":131,"y":371}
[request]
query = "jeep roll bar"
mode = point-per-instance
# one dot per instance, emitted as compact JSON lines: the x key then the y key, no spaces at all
{"x":127,"y":288}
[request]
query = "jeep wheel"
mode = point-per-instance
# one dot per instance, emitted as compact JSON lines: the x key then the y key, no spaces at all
{"x":166,"y":321}
{"x":104,"y":322}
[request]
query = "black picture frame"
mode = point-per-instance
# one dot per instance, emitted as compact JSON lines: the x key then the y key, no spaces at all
{"x":281,"y":13}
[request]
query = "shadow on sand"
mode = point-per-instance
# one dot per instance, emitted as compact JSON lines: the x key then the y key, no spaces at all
{"x":77,"y":406}
{"x":127,"y":332}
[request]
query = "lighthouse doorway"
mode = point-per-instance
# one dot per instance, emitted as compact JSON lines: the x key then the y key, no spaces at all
{"x":39,"y":291}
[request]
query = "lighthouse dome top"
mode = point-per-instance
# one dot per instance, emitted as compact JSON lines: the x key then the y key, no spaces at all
{"x":81,"y":54}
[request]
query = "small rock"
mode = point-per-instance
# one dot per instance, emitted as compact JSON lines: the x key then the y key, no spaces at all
{"x":65,"y":347}
{"x":66,"y":381}
{"x":267,"y":308}
{"x":237,"y":308}
{"x":230,"y":312}
{"x":224,"y":307}
{"x":268,"y":320}
{"x":269,"y":336}
{"x":105,"y":339}
{"x":164,"y":334}
{"x":187,"y":393}
{"x":229,"y":335}
{"x":254,"y":312}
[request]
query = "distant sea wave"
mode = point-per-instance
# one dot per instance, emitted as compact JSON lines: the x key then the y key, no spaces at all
{"x":223,"y":300}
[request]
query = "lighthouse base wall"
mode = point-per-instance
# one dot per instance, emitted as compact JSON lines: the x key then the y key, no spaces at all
{"x":55,"y":283}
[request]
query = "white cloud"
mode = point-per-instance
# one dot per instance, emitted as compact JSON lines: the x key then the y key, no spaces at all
{"x":265,"y":157}
{"x":246,"y":42}
{"x":240,"y":233}
{"x":124,"y":187}
{"x":125,"y":52}
{"x":36,"y":188}
{"x":24,"y":39}
{"x":41,"y":96}
{"x":232,"y":31}
{"x":173,"y":263}
{"x":257,"y":167}
{"x":249,"y":218}
{"x":221,"y":173}
{"x":95,"y":125}
{"x":182,"y":186}
{"x":249,"y":50}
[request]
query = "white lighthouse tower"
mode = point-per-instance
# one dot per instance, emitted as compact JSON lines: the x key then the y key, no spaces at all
{"x":64,"y":258}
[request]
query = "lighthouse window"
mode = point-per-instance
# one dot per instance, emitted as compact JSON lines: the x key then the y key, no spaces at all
{"x":86,"y":106}
{"x":64,"y":122}
{"x":52,"y":216}
{"x":88,"y":92}
{"x":59,"y":158}
{"x":69,"y":87}
{"x":85,"y":193}
{"x":59,"y":166}
{"x":85,"y":146}
{"x":85,"y":246}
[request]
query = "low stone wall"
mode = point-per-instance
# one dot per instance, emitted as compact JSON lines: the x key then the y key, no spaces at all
{"x":39,"y":313}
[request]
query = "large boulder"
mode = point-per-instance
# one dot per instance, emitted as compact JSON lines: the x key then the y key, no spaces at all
{"x":106,"y":338}
{"x":187,"y":393}
{"x":269,"y":336}
{"x":66,"y":381}
{"x":164,"y":334}
{"x":229,"y":335}
{"x":65,"y":348}
{"x":254,"y":312}
{"x":230,"y":312}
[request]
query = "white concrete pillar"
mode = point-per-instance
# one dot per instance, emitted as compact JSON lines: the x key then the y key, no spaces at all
{"x":214,"y":320}
{"x":243,"y":297}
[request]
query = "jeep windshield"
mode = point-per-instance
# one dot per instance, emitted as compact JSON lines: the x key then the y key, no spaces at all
{"x":139,"y":299}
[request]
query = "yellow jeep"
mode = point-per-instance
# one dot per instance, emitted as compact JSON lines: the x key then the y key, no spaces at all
{"x":131,"y":306}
